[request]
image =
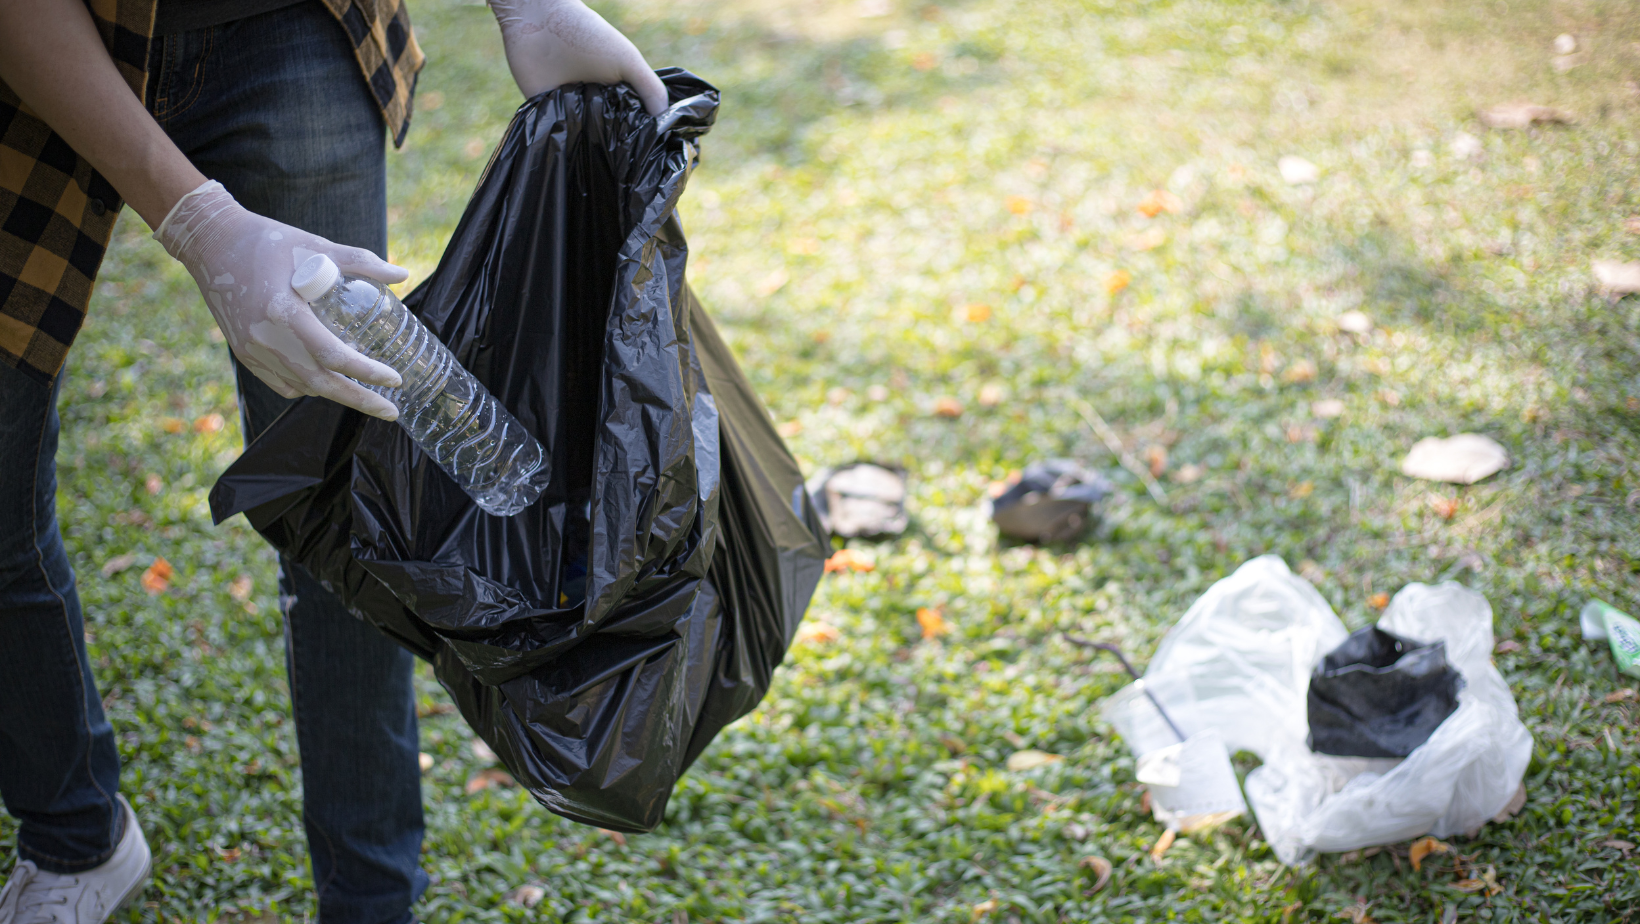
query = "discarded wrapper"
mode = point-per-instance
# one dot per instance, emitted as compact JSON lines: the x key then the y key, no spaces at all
{"x":1601,"y":620}
{"x":861,"y":500}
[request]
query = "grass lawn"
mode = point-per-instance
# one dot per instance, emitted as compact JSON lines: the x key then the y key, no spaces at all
{"x":906,"y":205}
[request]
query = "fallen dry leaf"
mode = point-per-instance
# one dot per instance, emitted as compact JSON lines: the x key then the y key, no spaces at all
{"x":474,"y":148}
{"x":117,"y":564}
{"x":484,"y":779}
{"x":789,"y":429}
{"x":932,"y":622}
{"x":1462,"y":459}
{"x":425,"y":761}
{"x":1616,"y":276}
{"x":1624,"y":846}
{"x":1423,"y":847}
{"x":1328,"y":408}
{"x":1301,"y":490}
{"x":977,"y":313}
{"x":1149,"y":239}
{"x":1158,"y":202}
{"x":157,"y":579}
{"x":482,"y":751}
{"x":947,"y":407}
{"x":1299,"y":372}
{"x":1030,"y":759}
{"x":172,"y":424}
{"x":1625,"y":695}
{"x":983,"y":908}
{"x":1445,"y":507}
{"x":990,"y":394}
{"x":924,"y":61}
{"x":240,"y":588}
{"x":849,"y":560}
{"x":814,"y":632}
{"x":153,"y":484}
{"x":803,"y":246}
{"x":1296,"y":171}
{"x":616,"y":836}
{"x":1507,"y":645}
{"x":1523,"y":115}
{"x":1357,"y":914}
{"x":1101,"y":870}
{"x":1019,"y":205}
{"x":1189,"y":473}
{"x":1469,"y":885}
{"x":1156,"y":460}
{"x":527,"y":895}
{"x":1353,"y":322}
{"x":772,"y":283}
{"x":210,"y":423}
{"x":228,"y":854}
{"x":1162,"y":844}
{"x":1117,"y":281}
{"x":1632,"y":224}
{"x":1378,"y":600}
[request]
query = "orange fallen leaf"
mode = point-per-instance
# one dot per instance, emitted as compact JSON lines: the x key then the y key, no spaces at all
{"x":157,"y":579}
{"x":849,"y":560}
{"x":171,"y":424}
{"x":1378,"y":600}
{"x":228,"y":854}
{"x":1301,"y":490}
{"x":1158,"y":202}
{"x":616,"y":836}
{"x":1162,"y":844}
{"x":947,"y":407}
{"x":924,"y":61}
{"x":976,"y":313}
{"x":1101,"y":870}
{"x":932,"y":622}
{"x":484,"y":779}
{"x":1423,"y":847}
{"x":1117,"y":281}
{"x":1446,"y":507}
{"x":789,"y":429}
{"x":1019,"y":205}
{"x":1301,"y":371}
{"x":1156,"y":457}
{"x":983,"y":908}
{"x":210,"y":423}
{"x":1147,"y":240}
{"x":817,"y":633}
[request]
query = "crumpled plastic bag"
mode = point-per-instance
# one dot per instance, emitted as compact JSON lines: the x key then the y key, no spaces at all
{"x":598,"y":640}
{"x":1243,"y":654}
{"x":861,"y":500}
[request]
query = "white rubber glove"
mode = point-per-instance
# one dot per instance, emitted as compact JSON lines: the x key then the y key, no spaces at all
{"x":550,"y":43}
{"x":243,"y":263}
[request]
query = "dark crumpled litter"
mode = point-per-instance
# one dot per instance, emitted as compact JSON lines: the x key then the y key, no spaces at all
{"x":599,"y":639}
{"x":1052,"y":502}
{"x":861,"y":500}
{"x":1380,"y":695}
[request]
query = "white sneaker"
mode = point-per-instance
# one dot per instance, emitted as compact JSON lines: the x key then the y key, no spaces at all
{"x":34,"y":896}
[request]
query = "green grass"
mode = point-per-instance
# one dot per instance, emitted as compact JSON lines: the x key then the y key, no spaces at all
{"x":869,"y":178}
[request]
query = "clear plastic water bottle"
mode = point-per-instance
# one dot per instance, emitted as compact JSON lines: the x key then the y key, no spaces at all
{"x":459,"y":424}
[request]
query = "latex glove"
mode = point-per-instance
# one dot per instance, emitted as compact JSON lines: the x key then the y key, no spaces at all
{"x":243,"y":263}
{"x":550,"y":43}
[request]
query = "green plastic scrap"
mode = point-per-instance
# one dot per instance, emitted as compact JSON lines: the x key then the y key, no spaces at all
{"x":1601,"y":620}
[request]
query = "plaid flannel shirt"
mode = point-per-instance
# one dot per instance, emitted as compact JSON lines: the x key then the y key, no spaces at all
{"x":57,"y":213}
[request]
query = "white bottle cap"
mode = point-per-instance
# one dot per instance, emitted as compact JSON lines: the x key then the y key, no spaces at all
{"x":315,"y":277}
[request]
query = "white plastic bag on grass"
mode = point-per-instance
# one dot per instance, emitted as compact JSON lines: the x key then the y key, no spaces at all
{"x":1244,"y":653}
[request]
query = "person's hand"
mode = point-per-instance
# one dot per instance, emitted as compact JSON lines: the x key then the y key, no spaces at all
{"x":551,"y":43}
{"x":243,"y":263}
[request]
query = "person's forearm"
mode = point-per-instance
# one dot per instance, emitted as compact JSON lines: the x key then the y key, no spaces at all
{"x":53,"y":59}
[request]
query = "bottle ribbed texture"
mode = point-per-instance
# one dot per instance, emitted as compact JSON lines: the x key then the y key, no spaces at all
{"x":458,"y":423}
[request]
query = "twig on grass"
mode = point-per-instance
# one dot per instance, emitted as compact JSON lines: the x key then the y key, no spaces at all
{"x":1114,"y":444}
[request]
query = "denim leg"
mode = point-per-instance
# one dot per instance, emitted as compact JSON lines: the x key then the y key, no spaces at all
{"x":274,"y":108}
{"x":59,"y":769}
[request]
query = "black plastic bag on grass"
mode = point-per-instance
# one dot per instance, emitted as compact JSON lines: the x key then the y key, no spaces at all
{"x":1380,"y":695}
{"x":599,"y":639}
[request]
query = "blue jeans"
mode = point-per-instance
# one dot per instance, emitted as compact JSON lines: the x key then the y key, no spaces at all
{"x":275,"y":108}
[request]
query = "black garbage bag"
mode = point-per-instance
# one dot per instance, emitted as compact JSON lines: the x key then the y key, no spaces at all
{"x":599,"y":639}
{"x":1052,"y":501}
{"x":1380,"y":695}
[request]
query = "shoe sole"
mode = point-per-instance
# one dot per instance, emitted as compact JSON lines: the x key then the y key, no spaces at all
{"x":135,"y":890}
